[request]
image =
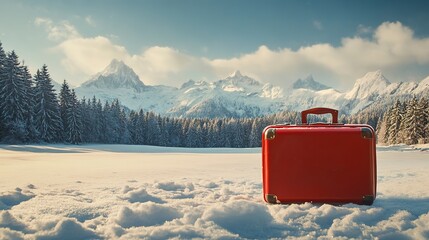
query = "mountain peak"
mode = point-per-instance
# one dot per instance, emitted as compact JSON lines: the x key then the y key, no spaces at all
{"x":236,"y":78}
{"x":375,"y":76}
{"x":371,"y":83}
{"x":309,"y":83}
{"x":373,"y":79}
{"x":116,"y":66}
{"x":116,"y":75}
{"x":236,"y":74}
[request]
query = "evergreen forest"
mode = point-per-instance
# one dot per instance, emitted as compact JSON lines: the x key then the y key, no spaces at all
{"x":31,"y":111}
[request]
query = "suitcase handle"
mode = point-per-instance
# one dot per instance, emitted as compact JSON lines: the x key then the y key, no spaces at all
{"x":333,"y":112}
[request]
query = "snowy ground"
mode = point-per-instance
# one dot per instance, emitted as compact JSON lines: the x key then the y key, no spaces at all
{"x":132,"y":192}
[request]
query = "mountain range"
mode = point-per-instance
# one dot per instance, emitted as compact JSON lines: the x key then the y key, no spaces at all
{"x":240,"y":96}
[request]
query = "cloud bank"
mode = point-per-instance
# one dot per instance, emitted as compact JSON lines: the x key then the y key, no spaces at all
{"x":391,"y":47}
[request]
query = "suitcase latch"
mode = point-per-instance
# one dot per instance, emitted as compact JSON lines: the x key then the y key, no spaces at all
{"x":270,"y":133}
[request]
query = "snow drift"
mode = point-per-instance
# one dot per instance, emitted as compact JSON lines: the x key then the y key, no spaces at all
{"x":133,"y":192}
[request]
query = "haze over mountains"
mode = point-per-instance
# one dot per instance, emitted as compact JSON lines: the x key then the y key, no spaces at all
{"x":240,"y":96}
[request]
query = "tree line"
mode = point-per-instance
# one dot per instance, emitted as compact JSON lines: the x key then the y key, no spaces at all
{"x":32,"y":112}
{"x":406,"y":122}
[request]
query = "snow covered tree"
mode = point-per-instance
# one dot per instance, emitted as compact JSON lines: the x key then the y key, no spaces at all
{"x":132,"y":127}
{"x":423,"y":108}
{"x":175,"y":131}
{"x":125,"y":134}
{"x":413,"y":129}
{"x":48,"y":119}
{"x":32,"y":133}
{"x":65,"y":104}
{"x":394,"y":123}
{"x":255,"y":134}
{"x":74,"y":121}
{"x":382,"y":133}
{"x":97,"y":121}
{"x":153,"y":129}
{"x":2,"y":56}
{"x":87,"y":118}
{"x":14,"y":97}
{"x":141,"y":128}
{"x":106,"y":125}
{"x":2,"y":79}
{"x":194,"y":134}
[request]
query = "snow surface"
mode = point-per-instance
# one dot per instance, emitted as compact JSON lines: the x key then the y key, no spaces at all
{"x":133,"y":192}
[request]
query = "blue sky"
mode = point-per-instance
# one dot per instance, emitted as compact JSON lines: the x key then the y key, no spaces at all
{"x":170,"y":42}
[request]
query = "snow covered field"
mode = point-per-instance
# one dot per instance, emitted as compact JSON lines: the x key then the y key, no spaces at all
{"x":132,"y":192}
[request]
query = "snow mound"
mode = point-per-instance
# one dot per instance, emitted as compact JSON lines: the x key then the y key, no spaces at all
{"x":9,"y":221}
{"x":141,"y":195}
{"x":7,"y":234}
{"x":105,"y":192}
{"x":12,"y":198}
{"x":247,"y":219}
{"x":68,"y":229}
{"x":170,"y":186}
{"x":146,"y":214}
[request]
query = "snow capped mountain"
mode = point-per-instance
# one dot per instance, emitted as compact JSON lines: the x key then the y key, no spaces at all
{"x":372,"y":84}
{"x":235,"y":96}
{"x":238,"y":95}
{"x":116,"y":75}
{"x":309,"y":83}
{"x":423,"y":87}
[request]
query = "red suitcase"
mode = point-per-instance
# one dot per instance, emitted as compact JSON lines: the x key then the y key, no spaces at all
{"x":321,"y":162}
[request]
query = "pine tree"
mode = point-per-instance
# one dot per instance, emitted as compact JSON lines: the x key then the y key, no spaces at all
{"x":124,"y":132}
{"x":423,"y":115}
{"x":14,"y":99}
{"x":97,"y":109}
{"x":193,"y":134}
{"x":65,"y":104}
{"x":2,"y":82}
{"x":87,"y":118}
{"x":73,"y":116}
{"x":106,"y":124}
{"x":140,"y":128}
{"x":394,"y":123}
{"x":132,"y":127}
{"x":153,"y":129}
{"x":381,"y":131}
{"x":29,"y":105}
{"x":2,"y":56}
{"x":175,"y":132}
{"x":255,"y":134}
{"x":413,"y":128}
{"x":425,"y":107}
{"x":48,"y":119}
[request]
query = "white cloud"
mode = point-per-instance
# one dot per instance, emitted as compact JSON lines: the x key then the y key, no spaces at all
{"x":57,"y":31}
{"x":89,"y":55}
{"x":393,"y":48}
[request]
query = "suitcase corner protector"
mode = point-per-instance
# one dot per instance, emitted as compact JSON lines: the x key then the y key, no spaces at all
{"x":366,"y":133}
{"x":271,"y":198}
{"x":270,"y":133}
{"x":368,"y":199}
